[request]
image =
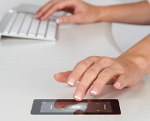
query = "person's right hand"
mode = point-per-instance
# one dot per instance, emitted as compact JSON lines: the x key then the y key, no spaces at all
{"x":82,"y":12}
{"x":95,"y":72}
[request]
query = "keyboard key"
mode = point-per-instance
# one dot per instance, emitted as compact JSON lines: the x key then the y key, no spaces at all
{"x":10,"y":23}
{"x":51,"y":31}
{"x":33,"y":28}
{"x":16,"y":27}
{"x":42,"y":29}
{"x":26,"y":24}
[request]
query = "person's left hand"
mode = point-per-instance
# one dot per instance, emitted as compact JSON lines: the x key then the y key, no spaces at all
{"x":96,"y":72}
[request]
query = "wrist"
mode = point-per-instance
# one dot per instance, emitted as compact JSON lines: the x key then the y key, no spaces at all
{"x":103,"y":14}
{"x":139,"y":61}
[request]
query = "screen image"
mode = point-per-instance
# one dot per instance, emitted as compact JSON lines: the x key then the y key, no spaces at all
{"x":74,"y":107}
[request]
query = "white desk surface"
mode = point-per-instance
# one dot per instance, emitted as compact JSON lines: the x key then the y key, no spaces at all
{"x":27,"y":68}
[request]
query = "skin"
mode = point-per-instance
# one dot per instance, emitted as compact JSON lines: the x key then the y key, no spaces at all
{"x":95,"y":72}
{"x":81,"y":12}
{"x":123,"y":71}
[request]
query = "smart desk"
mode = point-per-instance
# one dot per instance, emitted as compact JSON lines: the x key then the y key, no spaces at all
{"x":27,"y":68}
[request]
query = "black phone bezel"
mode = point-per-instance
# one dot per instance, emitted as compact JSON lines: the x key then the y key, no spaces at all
{"x":38,"y":102}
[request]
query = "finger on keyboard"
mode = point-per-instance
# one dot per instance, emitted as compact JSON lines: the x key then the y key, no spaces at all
{"x":57,"y":7}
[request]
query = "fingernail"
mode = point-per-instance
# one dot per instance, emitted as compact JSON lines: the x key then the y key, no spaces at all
{"x":55,"y":75}
{"x":118,"y":84}
{"x":59,"y":20}
{"x":94,"y":90}
{"x":71,"y":81}
{"x":78,"y":95}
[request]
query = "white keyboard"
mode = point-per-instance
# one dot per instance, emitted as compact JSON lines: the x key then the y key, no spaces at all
{"x":26,"y":26}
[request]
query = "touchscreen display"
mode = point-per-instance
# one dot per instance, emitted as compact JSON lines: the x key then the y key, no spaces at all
{"x":74,"y":107}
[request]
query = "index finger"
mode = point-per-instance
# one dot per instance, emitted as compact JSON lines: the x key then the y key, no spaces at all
{"x":79,"y":70}
{"x":57,"y":7}
{"x":42,"y":10}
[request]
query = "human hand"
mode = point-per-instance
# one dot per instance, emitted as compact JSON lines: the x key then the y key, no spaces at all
{"x":82,"y":12}
{"x":96,"y":72}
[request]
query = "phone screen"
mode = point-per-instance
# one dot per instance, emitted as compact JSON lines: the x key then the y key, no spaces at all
{"x":70,"y":106}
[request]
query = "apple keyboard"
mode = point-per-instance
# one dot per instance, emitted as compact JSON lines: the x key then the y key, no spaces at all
{"x":24,"y":25}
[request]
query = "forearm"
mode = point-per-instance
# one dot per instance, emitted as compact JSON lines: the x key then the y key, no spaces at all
{"x":135,"y":13}
{"x":140,"y":55}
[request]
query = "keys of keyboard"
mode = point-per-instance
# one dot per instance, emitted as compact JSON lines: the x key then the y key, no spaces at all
{"x":26,"y":24}
{"x":17,"y":24}
{"x":42,"y":29}
{"x":51,"y":28}
{"x":33,"y":28}
{"x":9,"y":25}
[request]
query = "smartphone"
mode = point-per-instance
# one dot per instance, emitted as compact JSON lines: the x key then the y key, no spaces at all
{"x":72,"y":107}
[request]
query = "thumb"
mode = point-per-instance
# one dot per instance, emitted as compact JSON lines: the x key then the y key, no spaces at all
{"x":62,"y":77}
{"x":68,"y":19}
{"x":122,"y":81}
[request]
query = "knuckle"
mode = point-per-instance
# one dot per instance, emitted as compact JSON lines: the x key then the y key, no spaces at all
{"x":75,"y":73}
{"x":124,"y":78}
{"x":99,"y":84}
{"x":92,"y":72}
{"x":92,"y":57}
{"x":82,"y":64}
{"x":79,"y":63}
{"x":82,"y":87}
{"x":121,"y":70}
{"x":41,"y":11}
{"x":106,"y":60}
{"x":44,"y":9}
{"x":54,"y":7}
